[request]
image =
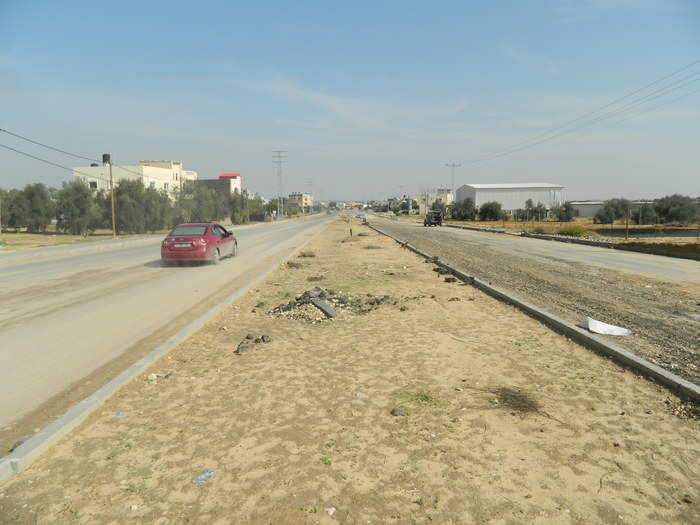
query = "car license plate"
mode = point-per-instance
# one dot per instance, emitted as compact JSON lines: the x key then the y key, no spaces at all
{"x":183,"y":244}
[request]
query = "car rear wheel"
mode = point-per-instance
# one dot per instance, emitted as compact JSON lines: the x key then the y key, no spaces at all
{"x":216,"y":258}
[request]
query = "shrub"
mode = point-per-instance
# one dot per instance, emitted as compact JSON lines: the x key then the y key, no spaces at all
{"x":372,"y":247}
{"x":307,"y":254}
{"x":573,"y":230}
{"x":490,"y":211}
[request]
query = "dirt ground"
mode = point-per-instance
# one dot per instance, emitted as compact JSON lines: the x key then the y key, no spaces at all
{"x":11,"y":241}
{"x":498,"y":419}
{"x":663,"y":315}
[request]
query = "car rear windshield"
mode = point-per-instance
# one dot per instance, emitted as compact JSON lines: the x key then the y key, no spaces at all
{"x":188,"y":231}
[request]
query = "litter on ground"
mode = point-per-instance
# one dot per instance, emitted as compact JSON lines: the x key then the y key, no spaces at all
{"x":599,"y":327}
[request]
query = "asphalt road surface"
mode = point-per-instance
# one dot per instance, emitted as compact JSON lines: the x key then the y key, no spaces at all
{"x":71,"y":318}
{"x":657,"y":297}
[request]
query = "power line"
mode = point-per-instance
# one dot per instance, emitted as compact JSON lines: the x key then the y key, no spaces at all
{"x":620,"y":111}
{"x":550,"y":133}
{"x":65,"y":152}
{"x":50,"y":162}
{"x":47,"y":146}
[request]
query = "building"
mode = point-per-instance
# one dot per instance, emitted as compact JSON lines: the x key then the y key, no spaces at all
{"x":590,"y":208}
{"x":513,"y":196}
{"x":430,"y":197}
{"x":159,"y":174}
{"x":586,"y":208}
{"x":305,"y":201}
{"x":226,"y":183}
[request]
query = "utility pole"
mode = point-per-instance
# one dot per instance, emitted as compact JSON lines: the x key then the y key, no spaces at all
{"x":452,"y":166}
{"x":279,"y":157}
{"x":107,"y":159}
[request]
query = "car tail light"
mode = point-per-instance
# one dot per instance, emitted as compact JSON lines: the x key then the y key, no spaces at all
{"x":202,"y":242}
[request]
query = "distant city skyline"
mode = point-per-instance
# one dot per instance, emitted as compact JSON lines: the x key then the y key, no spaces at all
{"x":369,"y":100}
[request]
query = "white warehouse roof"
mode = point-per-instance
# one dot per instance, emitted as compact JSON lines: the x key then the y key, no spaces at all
{"x":517,"y":185}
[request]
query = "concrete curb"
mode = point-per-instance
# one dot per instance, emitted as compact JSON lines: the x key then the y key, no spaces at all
{"x":479,"y":229}
{"x":571,"y":240}
{"x":37,"y":444}
{"x":673,"y":382}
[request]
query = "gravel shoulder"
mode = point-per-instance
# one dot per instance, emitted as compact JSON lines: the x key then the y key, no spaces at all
{"x":665,"y":316}
{"x":421,"y":401}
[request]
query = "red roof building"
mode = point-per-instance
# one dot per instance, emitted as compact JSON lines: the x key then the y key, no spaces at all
{"x":229,"y":175}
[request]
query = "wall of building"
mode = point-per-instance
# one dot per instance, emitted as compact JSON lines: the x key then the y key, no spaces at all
{"x":304,"y":200}
{"x":587,"y":209}
{"x":161,"y":178}
{"x":511,"y":198}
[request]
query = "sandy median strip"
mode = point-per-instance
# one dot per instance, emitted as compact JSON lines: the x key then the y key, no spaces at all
{"x":499,"y":419}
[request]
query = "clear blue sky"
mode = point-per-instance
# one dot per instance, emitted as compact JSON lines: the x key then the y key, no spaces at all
{"x":369,"y":98}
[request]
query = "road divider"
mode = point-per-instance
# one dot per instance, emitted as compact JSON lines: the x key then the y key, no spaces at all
{"x":677,"y":384}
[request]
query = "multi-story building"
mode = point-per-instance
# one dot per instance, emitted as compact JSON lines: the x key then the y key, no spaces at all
{"x":161,"y":174}
{"x":430,"y":197}
{"x":227,"y":183}
{"x":304,"y":200}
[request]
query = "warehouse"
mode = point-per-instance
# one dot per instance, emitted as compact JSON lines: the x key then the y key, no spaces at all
{"x":513,"y":196}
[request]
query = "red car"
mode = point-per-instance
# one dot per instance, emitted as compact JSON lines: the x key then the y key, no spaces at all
{"x":198,"y":241}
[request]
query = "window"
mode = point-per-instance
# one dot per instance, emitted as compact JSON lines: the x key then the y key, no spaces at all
{"x":166,"y":185}
{"x":93,"y":184}
{"x":188,"y":231}
{"x":216,"y":231}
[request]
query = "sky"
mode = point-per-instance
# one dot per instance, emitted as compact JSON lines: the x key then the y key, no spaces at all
{"x":369,"y":99}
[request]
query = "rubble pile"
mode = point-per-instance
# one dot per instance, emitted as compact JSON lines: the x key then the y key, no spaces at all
{"x":318,"y":304}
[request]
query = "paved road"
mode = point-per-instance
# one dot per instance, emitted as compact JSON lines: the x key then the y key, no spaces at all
{"x":655,"y":266}
{"x":655,"y":297}
{"x":66,"y":316}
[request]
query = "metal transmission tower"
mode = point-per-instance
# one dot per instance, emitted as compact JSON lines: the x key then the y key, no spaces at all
{"x":279,"y":157}
{"x":452,"y":166}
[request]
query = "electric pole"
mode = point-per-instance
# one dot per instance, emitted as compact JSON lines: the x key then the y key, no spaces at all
{"x":107,"y":159}
{"x":279,"y":157}
{"x":452,"y":166}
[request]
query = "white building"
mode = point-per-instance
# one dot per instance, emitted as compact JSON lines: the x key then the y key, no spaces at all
{"x":513,"y":196}
{"x":159,"y":174}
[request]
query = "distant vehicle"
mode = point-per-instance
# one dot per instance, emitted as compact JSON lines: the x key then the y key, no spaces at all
{"x":433,"y":218}
{"x":198,"y":241}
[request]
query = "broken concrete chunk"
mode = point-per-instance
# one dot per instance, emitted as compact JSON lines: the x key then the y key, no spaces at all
{"x":324,"y":306}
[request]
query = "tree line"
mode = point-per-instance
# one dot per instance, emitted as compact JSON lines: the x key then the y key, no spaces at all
{"x":80,"y":210}
{"x":672,"y":209}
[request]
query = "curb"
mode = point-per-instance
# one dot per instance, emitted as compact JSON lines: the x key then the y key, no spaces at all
{"x":38,"y":443}
{"x":668,"y":379}
{"x":479,"y":229}
{"x":571,"y":240}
